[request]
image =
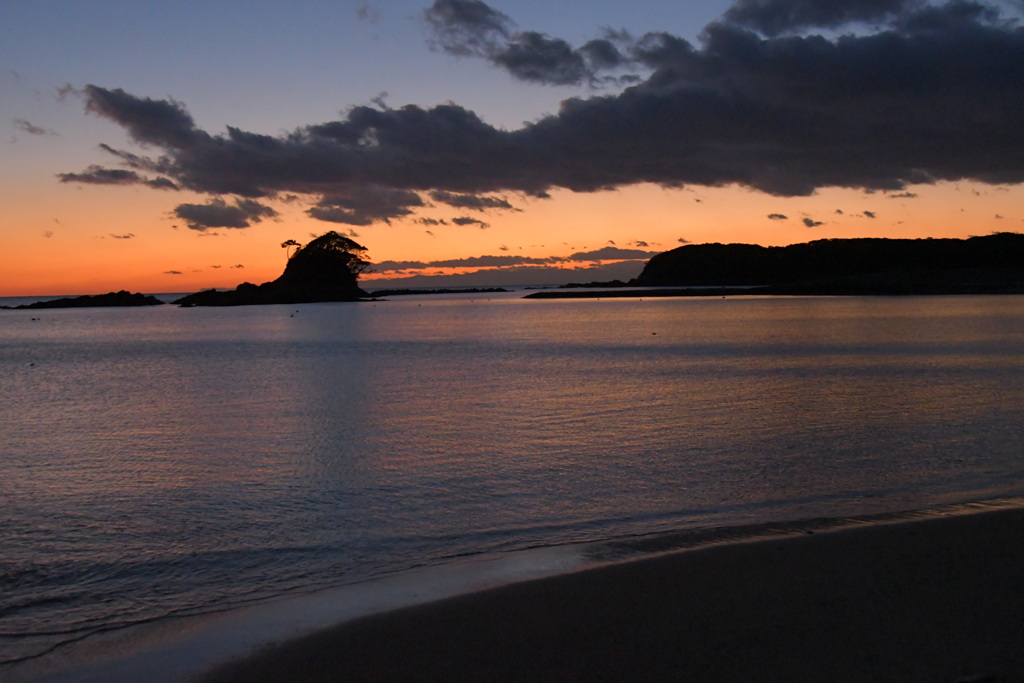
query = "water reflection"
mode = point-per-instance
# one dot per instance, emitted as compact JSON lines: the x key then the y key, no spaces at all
{"x":189,"y":457}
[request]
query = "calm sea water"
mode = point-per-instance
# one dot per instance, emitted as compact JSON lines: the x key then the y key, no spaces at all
{"x":166,"y":461}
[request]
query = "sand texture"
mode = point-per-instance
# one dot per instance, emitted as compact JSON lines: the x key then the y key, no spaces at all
{"x":938,"y":599}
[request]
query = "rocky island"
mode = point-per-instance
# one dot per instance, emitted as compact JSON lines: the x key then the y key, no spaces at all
{"x":122,"y":298}
{"x":326,"y":269}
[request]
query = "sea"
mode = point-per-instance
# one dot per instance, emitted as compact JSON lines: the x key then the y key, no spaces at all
{"x":162,"y":462}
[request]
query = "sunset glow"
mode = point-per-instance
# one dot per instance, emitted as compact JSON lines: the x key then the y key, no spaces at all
{"x":98,"y":197}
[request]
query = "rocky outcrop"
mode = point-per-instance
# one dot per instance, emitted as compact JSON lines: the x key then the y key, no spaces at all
{"x":121,"y":298}
{"x":326,"y":269}
{"x":993,"y":263}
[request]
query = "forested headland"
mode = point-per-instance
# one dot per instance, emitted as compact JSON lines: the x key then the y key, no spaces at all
{"x":990,"y":263}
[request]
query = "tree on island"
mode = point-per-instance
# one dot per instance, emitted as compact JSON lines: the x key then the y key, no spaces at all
{"x":326,"y":269}
{"x":331,"y":250}
{"x":287,"y":245}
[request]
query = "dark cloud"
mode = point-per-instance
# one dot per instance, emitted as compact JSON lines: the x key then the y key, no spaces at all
{"x":535,"y":57}
{"x":467,"y":220}
{"x":953,"y":14}
{"x":130,"y":160}
{"x":683,"y":240}
{"x":472,"y":28}
{"x":97,"y":175}
{"x":611,"y":254}
{"x":811,"y":223}
{"x":937,"y":95}
{"x":903,"y":195}
{"x":516,"y":275}
{"x":487,"y":262}
{"x":772,"y":17}
{"x":603,"y":53}
{"x":172,"y":272}
{"x":640,"y":243}
{"x":365,"y":205}
{"x":164,"y":123}
{"x":778,"y":216}
{"x":869,"y":214}
{"x":126,"y":236}
{"x":505,"y":261}
{"x":219,"y":214}
{"x":470,"y":201}
{"x":26,"y":127}
{"x":389,"y":266}
{"x":160,"y":183}
{"x":467,"y":27}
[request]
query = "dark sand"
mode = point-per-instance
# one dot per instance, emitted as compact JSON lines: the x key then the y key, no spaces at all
{"x":938,"y":599}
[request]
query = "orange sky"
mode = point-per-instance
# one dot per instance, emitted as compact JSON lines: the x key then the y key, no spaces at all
{"x":80,"y":237}
{"x":66,"y":241}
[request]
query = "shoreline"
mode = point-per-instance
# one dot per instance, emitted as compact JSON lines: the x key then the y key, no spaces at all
{"x":700,"y":604}
{"x":778,"y":291}
{"x":933,"y":598}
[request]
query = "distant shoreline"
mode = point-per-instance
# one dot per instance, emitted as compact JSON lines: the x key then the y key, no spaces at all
{"x":626,"y":292}
{"x":122,"y":298}
{"x":766,"y":290}
{"x":375,"y":293}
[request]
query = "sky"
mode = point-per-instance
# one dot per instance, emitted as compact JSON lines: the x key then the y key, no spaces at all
{"x":173,"y":147}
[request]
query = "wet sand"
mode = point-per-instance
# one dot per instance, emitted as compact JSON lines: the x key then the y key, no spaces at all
{"x":935,"y":599}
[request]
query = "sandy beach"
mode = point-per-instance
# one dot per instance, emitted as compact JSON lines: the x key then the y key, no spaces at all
{"x":933,"y":599}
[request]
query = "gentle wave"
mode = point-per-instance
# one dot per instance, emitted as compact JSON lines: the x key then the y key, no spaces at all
{"x":171,"y":462}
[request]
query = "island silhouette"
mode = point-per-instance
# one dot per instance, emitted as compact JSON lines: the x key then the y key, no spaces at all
{"x":326,"y":269}
{"x":990,"y":264}
{"x":121,"y":298}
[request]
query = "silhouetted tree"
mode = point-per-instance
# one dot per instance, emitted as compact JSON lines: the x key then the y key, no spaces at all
{"x":287,"y":244}
{"x":338,"y":250}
